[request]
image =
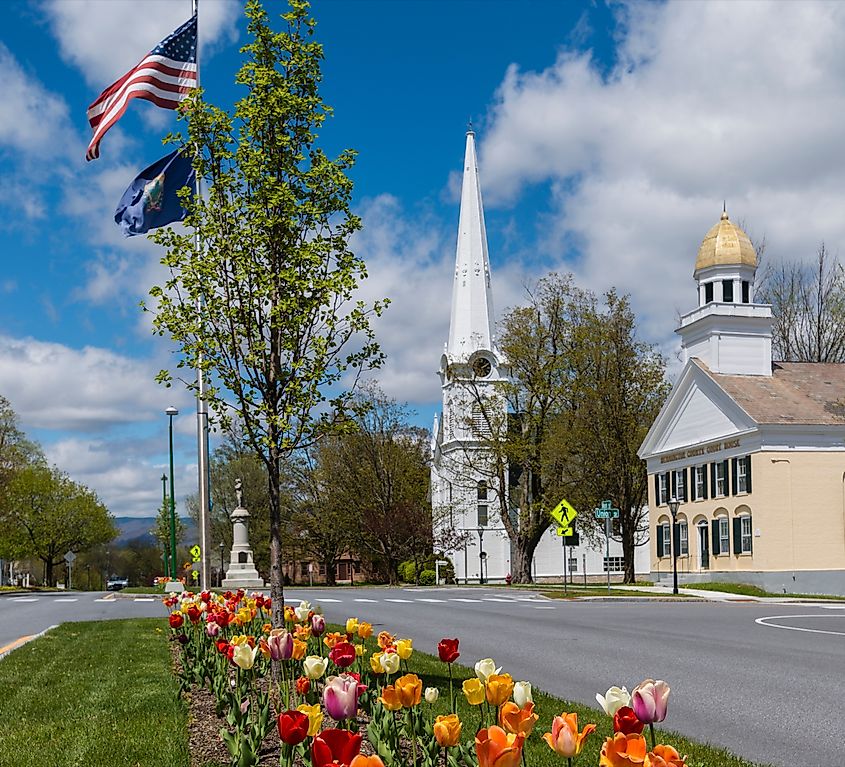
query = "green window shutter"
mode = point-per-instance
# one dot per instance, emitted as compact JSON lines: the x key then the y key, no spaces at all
{"x":737,"y":525}
{"x":748,"y":472}
{"x":686,"y":485}
{"x":676,"y":539}
{"x":714,"y":526}
{"x":656,"y":489}
{"x":659,"y":532}
{"x":725,"y":470}
{"x":734,"y":472}
{"x":706,"y":496}
{"x":713,"y":482}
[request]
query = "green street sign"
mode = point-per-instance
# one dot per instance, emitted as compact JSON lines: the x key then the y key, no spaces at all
{"x":196,"y":551}
{"x":606,"y":511}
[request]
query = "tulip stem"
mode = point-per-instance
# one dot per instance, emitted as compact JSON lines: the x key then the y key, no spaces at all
{"x":451,"y":694}
{"x":651,"y":730}
{"x":413,"y":736}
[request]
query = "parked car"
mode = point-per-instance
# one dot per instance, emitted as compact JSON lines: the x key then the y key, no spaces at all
{"x":116,"y":584}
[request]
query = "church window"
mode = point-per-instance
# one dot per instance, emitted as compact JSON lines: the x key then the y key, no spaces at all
{"x":481,"y":493}
{"x":708,"y":293}
{"x":746,"y":292}
{"x":480,"y":425}
{"x":727,"y":291}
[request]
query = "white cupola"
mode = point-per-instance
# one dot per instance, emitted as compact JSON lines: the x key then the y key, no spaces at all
{"x":728,"y":331}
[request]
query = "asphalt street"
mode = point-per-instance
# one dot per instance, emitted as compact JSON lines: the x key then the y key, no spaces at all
{"x":764,"y":680}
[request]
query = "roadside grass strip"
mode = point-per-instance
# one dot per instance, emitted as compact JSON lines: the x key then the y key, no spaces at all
{"x":96,"y":694}
{"x":748,"y":590}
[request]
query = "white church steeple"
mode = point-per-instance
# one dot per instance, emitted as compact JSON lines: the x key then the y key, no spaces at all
{"x":471,"y":324}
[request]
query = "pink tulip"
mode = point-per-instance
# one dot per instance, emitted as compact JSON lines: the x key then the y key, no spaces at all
{"x":318,"y":624}
{"x":212,"y":629}
{"x":280,"y":644}
{"x":649,"y":701}
{"x":340,"y":697}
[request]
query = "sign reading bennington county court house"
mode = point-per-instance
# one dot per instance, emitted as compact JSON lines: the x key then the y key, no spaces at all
{"x":714,"y":447}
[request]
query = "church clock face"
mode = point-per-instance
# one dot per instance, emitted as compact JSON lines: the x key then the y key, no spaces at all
{"x":482,"y":367}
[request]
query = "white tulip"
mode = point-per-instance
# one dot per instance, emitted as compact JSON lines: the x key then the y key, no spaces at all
{"x":302,"y":611}
{"x":314,"y":666}
{"x":522,"y":694}
{"x":390,"y":662}
{"x":614,"y":699}
{"x":486,"y":667}
{"x":431,"y":695}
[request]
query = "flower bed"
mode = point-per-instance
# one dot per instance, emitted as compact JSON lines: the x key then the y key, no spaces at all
{"x":348,"y":698}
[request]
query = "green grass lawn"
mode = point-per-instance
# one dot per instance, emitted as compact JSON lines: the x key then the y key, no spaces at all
{"x":746,"y":589}
{"x":93,"y":695}
{"x":601,"y":591}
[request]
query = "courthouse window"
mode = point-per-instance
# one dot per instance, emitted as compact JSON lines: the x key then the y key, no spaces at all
{"x":720,"y":479}
{"x":683,"y":536}
{"x":724,"y":535}
{"x":699,"y":482}
{"x":745,"y":533}
{"x":662,"y":489}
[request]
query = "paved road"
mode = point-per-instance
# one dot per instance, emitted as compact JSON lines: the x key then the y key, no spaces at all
{"x":742,"y":676}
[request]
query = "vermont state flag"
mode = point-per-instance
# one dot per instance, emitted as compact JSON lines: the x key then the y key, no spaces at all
{"x":151,"y":200}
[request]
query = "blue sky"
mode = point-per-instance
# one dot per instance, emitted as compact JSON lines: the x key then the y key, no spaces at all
{"x":608,"y":134}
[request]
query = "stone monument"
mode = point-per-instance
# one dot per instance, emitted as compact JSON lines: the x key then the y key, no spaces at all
{"x":241,"y":573}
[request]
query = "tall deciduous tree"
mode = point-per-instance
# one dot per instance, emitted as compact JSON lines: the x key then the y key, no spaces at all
{"x":48,"y":515}
{"x":808,"y":304}
{"x":267,"y":307}
{"x":161,"y":530}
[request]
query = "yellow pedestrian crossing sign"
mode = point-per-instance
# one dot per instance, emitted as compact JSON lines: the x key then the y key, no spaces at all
{"x":195,"y":553}
{"x":564,"y":514}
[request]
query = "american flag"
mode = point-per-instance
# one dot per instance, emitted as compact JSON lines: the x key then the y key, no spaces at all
{"x":164,"y":76}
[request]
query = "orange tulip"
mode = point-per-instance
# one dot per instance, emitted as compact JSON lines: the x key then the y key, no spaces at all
{"x":290,"y":615}
{"x":496,"y":748}
{"x":664,"y":756}
{"x":299,"y":649}
{"x":302,"y":631}
{"x":332,"y":638}
{"x":515,"y":719}
{"x":385,"y":639}
{"x":498,"y":689}
{"x":390,"y":698}
{"x":365,"y":630}
{"x":564,"y":739}
{"x":447,"y":730}
{"x":409,"y":689}
{"x":622,"y":750}
{"x":366,"y":761}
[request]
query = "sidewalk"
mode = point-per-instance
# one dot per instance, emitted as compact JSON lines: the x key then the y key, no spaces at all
{"x":716,"y":596}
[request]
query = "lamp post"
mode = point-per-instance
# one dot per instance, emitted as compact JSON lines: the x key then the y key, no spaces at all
{"x":171,"y":411}
{"x":221,"y":563}
{"x":164,"y":506}
{"x":480,"y":532}
{"x":673,"y":508}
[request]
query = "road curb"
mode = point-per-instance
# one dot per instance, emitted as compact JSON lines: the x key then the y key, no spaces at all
{"x":12,"y":646}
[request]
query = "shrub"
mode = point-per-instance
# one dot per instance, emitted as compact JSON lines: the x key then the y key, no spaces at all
{"x":407,"y":571}
{"x":427,"y":578}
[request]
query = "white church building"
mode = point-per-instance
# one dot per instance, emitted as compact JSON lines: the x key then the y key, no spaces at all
{"x":471,"y":367}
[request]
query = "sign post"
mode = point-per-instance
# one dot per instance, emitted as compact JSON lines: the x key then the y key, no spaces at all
{"x":564,"y":514}
{"x":607,"y":513}
{"x":69,"y":557}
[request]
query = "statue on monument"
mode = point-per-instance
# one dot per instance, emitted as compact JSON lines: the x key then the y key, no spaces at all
{"x":241,"y":572}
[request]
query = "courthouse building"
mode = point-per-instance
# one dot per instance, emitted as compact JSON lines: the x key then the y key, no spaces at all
{"x":752,"y":450}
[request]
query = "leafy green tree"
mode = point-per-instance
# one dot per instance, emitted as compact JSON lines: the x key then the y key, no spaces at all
{"x":48,"y":515}
{"x":267,"y":307}
{"x":161,"y":529}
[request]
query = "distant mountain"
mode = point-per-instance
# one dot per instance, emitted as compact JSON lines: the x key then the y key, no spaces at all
{"x":132,"y":528}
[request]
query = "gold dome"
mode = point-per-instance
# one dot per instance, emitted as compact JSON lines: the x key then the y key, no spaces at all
{"x":725,"y":245}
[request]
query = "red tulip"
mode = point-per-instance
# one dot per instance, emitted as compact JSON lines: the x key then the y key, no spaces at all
{"x":335,"y":746}
{"x":176,"y":620}
{"x":194,"y":613}
{"x":447,"y":649}
{"x":625,"y":721}
{"x":293,"y":727}
{"x":342,"y":654}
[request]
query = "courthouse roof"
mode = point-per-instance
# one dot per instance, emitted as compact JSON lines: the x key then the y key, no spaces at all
{"x":797,"y":392}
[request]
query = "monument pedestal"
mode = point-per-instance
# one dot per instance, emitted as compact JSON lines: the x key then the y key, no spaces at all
{"x":241,"y":573}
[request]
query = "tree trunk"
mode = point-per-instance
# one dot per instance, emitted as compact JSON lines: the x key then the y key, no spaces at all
{"x":521,"y":564}
{"x":331,"y":572}
{"x":628,"y":549}
{"x":277,"y":587}
{"x":48,"y":572}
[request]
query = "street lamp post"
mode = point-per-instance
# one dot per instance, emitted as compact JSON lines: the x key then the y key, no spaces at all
{"x":221,"y":563}
{"x":480,"y":532}
{"x":171,"y":411}
{"x":164,"y":506}
{"x":673,"y":508}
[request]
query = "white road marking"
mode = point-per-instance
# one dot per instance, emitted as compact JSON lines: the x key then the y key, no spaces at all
{"x":404,"y":601}
{"x":461,"y":599}
{"x":66,"y":599}
{"x":762,"y":622}
{"x":24,"y":599}
{"x":324,"y":599}
{"x":832,"y":607}
{"x":543,"y":607}
{"x":371,"y":601}
{"x":111,"y":600}
{"x":144,"y":599}
{"x":423,"y":599}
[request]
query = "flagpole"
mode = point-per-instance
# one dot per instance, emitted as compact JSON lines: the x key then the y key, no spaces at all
{"x":203,"y":478}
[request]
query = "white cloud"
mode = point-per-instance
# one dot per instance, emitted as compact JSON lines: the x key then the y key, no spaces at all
{"x":52,"y":386}
{"x":708,"y":101}
{"x":131,"y":30}
{"x":32,"y":119}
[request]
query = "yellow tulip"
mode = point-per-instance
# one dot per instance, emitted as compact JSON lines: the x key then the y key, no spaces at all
{"x":447,"y":730}
{"x":365,"y":630}
{"x":404,"y":648}
{"x":351,"y":625}
{"x":499,"y":689}
{"x":409,"y":688}
{"x":474,"y":691}
{"x":375,"y":663}
{"x":360,"y":650}
{"x":315,"y":717}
